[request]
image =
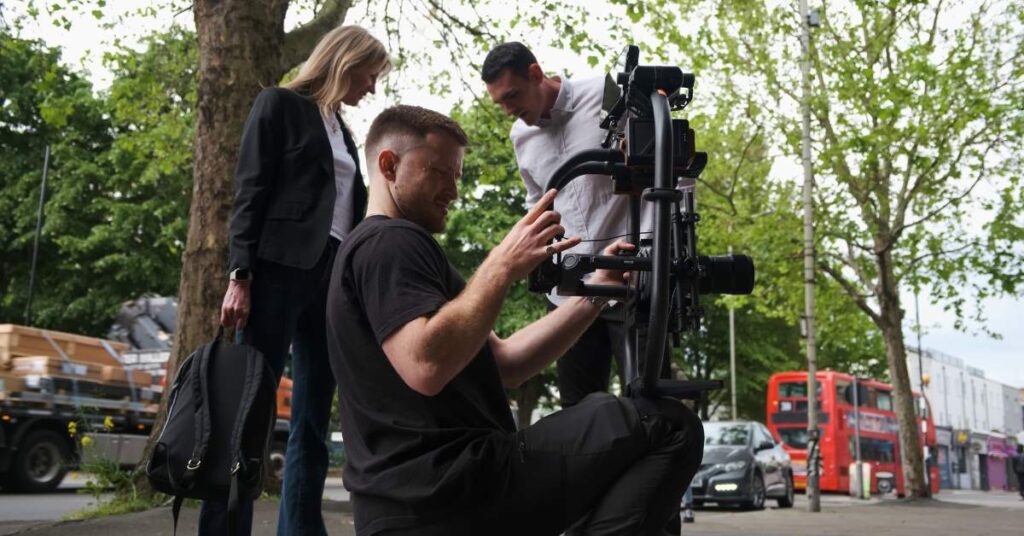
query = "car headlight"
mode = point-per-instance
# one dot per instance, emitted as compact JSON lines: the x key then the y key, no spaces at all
{"x":731,"y":466}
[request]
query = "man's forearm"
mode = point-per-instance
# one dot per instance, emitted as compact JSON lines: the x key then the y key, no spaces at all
{"x":529,"y":350}
{"x":454,"y":335}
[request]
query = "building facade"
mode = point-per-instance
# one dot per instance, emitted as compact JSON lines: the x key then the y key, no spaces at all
{"x":978,"y":421}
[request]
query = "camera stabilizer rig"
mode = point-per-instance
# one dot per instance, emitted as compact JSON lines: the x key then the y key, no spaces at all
{"x":651,"y":159}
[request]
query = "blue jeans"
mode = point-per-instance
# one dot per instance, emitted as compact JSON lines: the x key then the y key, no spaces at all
{"x":289,"y":309}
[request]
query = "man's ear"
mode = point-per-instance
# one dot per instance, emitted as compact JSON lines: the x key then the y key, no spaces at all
{"x":387,"y":164}
{"x":534,"y":73}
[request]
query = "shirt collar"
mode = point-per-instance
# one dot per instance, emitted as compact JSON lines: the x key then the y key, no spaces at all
{"x":564,"y":104}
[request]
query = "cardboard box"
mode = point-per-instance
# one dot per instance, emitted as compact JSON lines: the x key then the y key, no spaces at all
{"x":19,"y":341}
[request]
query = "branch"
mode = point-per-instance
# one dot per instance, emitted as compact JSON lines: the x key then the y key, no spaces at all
{"x":299,"y":42}
{"x":474,"y":31}
{"x":736,"y":170}
{"x":953,"y":166}
{"x":943,"y":252}
{"x":858,"y":298}
{"x":851,"y":261}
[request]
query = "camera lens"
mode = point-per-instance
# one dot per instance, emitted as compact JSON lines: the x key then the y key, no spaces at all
{"x":726,"y":274}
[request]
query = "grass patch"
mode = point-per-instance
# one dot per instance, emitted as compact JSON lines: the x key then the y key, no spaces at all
{"x":117,"y":505}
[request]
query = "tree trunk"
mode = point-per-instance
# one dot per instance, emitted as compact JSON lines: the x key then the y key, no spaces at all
{"x":527,"y":397}
{"x":239,"y":54}
{"x":891,"y":325}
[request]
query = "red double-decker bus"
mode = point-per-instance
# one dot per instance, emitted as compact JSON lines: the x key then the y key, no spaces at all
{"x":879,"y":429}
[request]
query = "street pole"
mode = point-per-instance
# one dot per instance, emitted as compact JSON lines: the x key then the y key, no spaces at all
{"x":732,"y":355}
{"x":35,"y":247}
{"x":813,"y":490}
{"x":856,"y":438}
{"x":920,"y":379}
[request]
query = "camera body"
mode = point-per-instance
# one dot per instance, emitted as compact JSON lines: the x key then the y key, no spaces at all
{"x":652,"y":159}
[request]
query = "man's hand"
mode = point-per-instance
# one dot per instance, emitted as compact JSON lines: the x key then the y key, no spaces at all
{"x":234,"y":312}
{"x":527,"y":244}
{"x":612,"y":277}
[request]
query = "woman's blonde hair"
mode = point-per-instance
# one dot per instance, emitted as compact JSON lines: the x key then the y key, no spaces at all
{"x":325,"y":75}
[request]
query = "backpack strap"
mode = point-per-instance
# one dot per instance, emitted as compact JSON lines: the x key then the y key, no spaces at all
{"x":175,"y":510}
{"x":201,"y":436}
{"x":253,"y":377}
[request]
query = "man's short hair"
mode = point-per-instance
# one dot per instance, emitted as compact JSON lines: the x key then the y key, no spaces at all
{"x":512,"y":55}
{"x":412,"y":122}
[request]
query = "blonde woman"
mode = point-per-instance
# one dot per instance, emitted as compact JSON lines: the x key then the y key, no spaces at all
{"x":298,"y":193}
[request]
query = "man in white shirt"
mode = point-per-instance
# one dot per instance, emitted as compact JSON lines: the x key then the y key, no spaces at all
{"x":556,"y":118}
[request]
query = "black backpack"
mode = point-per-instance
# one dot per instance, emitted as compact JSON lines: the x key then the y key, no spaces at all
{"x":216,"y":439}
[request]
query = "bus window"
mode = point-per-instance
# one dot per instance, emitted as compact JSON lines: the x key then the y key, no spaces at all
{"x":793,"y":437}
{"x":801,"y":405}
{"x":796,"y":389}
{"x":874,"y":450}
{"x":793,"y":390}
{"x":883,"y":400}
{"x":841,"y":392}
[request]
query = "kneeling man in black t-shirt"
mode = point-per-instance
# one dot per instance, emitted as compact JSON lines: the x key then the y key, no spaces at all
{"x":429,"y":436}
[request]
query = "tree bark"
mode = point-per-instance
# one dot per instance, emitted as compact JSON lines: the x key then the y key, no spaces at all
{"x":241,"y":44}
{"x":527,"y":397}
{"x":891,"y":325}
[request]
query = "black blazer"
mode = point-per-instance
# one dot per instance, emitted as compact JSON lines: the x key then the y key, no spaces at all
{"x":284,"y":183}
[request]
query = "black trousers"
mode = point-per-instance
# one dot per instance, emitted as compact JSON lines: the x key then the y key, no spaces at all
{"x":586,"y":367}
{"x":606,"y":466}
{"x":289,"y":311}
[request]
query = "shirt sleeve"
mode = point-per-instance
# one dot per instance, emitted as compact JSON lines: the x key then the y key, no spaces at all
{"x":534,"y":191}
{"x":398,"y":275}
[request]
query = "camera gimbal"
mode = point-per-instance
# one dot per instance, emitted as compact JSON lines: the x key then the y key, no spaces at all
{"x":651,"y":158}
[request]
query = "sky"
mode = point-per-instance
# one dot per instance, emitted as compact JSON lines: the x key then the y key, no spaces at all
{"x":85,"y":42}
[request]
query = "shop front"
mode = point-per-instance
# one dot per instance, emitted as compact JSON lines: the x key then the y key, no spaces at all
{"x":979,"y":450}
{"x":943,"y":446}
{"x":960,"y":459}
{"x":999,"y":452}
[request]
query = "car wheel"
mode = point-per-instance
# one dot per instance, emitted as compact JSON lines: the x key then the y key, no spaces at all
{"x":757,"y":494}
{"x":277,"y":450}
{"x":40,"y":462}
{"x":786,"y":501}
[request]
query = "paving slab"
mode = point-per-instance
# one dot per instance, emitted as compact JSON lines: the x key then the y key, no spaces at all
{"x":964,"y":513}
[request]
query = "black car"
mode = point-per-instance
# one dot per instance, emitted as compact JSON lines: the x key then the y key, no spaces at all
{"x":743,"y":465}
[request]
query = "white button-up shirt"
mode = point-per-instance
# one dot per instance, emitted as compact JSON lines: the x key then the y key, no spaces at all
{"x":344,"y":179}
{"x":587,"y":204}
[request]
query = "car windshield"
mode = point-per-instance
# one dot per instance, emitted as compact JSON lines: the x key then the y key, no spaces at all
{"x":727,"y":435}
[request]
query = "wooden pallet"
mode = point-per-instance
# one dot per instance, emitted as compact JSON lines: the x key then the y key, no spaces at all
{"x":9,"y":384}
{"x":120,"y":375}
{"x":85,"y":387}
{"x":47,"y":365}
{"x":72,"y":406}
{"x":19,"y":341}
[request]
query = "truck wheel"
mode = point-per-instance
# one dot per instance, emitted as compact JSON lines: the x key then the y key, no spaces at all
{"x":40,"y":462}
{"x":277,"y":450}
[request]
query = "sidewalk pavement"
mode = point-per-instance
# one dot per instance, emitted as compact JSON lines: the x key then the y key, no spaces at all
{"x":158,"y":522}
{"x":840,"y":516}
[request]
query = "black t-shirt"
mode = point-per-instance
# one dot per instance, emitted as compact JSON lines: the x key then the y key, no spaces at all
{"x":410,"y":458}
